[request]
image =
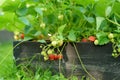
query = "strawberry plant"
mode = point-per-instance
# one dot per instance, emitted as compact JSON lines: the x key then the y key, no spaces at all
{"x":61,"y":21}
{"x":69,"y":21}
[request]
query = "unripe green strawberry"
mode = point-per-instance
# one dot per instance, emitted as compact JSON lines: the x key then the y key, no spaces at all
{"x":52,"y":38}
{"x":16,"y":37}
{"x":46,"y":58}
{"x":50,"y":51}
{"x":110,"y":36}
{"x":41,"y":46}
{"x":113,"y":54}
{"x":54,"y":43}
{"x":44,"y":9}
{"x":60,"y":17}
{"x":119,"y":50}
{"x":116,"y":55}
{"x":114,"y":51}
{"x":42,"y":25}
{"x":43,"y":53}
{"x":96,"y":42}
{"x":60,"y":42}
{"x":112,"y":40}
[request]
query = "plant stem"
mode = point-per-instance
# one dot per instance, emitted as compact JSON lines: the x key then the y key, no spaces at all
{"x":113,"y":22}
{"x":59,"y":66}
{"x":60,"y":53}
{"x":83,"y":66}
{"x":117,"y":15}
{"x":63,"y":47}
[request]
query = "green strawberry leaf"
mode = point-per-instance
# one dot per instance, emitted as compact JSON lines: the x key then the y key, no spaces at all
{"x":108,"y":10}
{"x":37,"y":33}
{"x":117,"y":31}
{"x":24,"y":20}
{"x":99,"y":21}
{"x":21,"y":11}
{"x":82,"y":10}
{"x":89,"y":19}
{"x":102,"y":38}
{"x":41,"y":41}
{"x":38,"y":10}
{"x":72,"y":36}
{"x":27,"y":38}
{"x":27,"y":29}
{"x":61,"y":28}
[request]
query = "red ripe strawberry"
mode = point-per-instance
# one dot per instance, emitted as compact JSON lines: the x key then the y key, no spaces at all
{"x":51,"y":56}
{"x":56,"y":57}
{"x":84,"y":40}
{"x":60,"y":56}
{"x":22,"y":36}
{"x":92,"y":38}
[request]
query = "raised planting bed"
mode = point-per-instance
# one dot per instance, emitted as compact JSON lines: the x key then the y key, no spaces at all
{"x":79,"y":59}
{"x":98,"y":61}
{"x":28,"y":54}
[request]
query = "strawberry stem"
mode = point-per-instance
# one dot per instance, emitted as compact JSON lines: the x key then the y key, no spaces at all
{"x":113,"y":22}
{"x":83,"y":66}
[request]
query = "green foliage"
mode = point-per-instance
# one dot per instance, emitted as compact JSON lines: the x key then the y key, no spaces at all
{"x":102,"y":38}
{"x":67,"y":20}
{"x":72,"y":36}
{"x":9,"y":71}
{"x":28,"y":16}
{"x":62,"y":20}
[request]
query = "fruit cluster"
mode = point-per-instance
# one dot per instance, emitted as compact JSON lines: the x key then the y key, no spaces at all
{"x":116,"y":49}
{"x":94,"y":39}
{"x":111,"y":36}
{"x":55,"y":56}
{"x":51,"y":51}
{"x":51,"y":55}
{"x":90,"y":39}
{"x":19,"y":36}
